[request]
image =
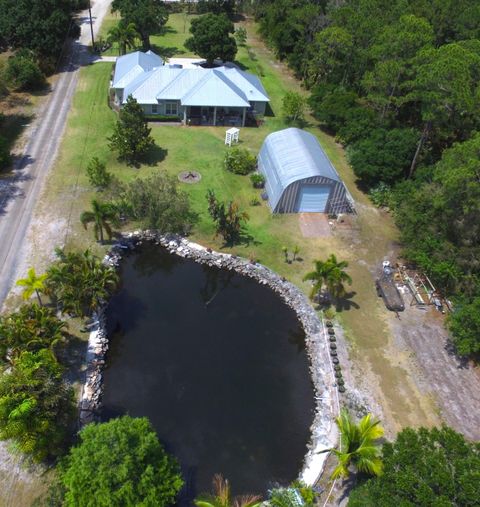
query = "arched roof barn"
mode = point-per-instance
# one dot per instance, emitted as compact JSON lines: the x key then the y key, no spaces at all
{"x":299,"y":177}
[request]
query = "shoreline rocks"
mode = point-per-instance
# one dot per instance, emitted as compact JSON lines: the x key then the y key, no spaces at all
{"x":323,"y":429}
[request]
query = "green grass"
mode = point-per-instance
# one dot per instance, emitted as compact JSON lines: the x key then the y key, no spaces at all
{"x":167,"y":44}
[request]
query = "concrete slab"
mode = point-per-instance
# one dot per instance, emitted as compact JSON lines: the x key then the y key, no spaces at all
{"x":314,"y":225}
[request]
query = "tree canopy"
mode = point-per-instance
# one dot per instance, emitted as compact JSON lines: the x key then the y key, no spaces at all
{"x":211,"y":38}
{"x":131,"y":135}
{"x":424,"y":468}
{"x":120,"y":462}
{"x":38,"y":25}
{"x":147,"y":17}
{"x":398,"y":83}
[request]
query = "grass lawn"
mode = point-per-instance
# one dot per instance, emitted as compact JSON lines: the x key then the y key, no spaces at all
{"x":170,"y":42}
{"x":202,"y":148}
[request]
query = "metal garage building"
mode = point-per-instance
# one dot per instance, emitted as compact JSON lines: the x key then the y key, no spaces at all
{"x":299,"y":177}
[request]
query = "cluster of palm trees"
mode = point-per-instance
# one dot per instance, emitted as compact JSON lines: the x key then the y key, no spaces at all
{"x":31,"y":328}
{"x":77,"y":282}
{"x":328,"y":278}
{"x":124,"y":35}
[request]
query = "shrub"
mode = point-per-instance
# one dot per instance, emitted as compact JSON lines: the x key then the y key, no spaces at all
{"x":36,"y":406}
{"x":22,"y":73}
{"x":381,"y":195}
{"x":258,"y":180}
{"x":5,"y":157}
{"x":241,"y":36}
{"x":239,"y":161}
{"x":98,"y":175}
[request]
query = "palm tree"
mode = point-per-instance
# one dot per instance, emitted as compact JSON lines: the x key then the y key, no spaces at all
{"x":329,"y":274}
{"x":32,"y":283}
{"x":124,"y":35}
{"x":102,"y":215}
{"x":337,"y":276}
{"x":31,"y":327}
{"x":221,"y":496}
{"x":358,"y":445}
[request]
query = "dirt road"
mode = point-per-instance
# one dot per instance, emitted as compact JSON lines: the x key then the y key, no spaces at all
{"x":19,"y":195}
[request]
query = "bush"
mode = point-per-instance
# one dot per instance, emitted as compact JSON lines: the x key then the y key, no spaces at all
{"x":97,"y":173}
{"x":158,"y":203}
{"x":239,"y":161}
{"x":5,"y":157}
{"x":22,"y":73}
{"x":36,"y":406}
{"x":258,"y":180}
{"x":241,"y":36}
{"x":381,"y":195}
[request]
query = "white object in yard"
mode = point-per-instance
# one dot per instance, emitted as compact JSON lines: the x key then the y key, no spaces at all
{"x":386,"y":264}
{"x":232,"y":136}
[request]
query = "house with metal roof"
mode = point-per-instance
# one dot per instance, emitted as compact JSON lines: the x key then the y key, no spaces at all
{"x":299,"y":177}
{"x":223,"y":95}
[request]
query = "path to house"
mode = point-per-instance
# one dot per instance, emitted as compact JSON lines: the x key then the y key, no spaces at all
{"x":42,"y":139}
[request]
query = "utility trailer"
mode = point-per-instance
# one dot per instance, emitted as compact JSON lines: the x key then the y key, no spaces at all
{"x":388,"y":291}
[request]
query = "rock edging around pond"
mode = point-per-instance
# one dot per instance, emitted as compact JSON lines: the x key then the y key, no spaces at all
{"x":323,"y":429}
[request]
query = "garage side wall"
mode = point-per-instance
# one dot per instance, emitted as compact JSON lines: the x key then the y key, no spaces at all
{"x":337,"y":201}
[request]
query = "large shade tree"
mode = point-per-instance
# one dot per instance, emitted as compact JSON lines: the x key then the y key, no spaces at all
{"x":424,"y":468}
{"x":120,"y":462}
{"x":39,"y":25}
{"x":148,"y":16}
{"x":211,"y":38}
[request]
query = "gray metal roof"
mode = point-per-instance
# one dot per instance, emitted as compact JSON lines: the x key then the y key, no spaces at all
{"x":290,"y":155}
{"x":140,"y":76}
{"x":129,"y":67}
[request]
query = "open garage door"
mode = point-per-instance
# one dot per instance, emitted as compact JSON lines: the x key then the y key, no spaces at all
{"x":313,"y":198}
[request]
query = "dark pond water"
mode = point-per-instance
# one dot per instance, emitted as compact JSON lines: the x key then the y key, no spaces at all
{"x":217,"y":363}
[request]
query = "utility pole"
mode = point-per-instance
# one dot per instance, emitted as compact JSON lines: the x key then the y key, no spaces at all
{"x":91,"y":24}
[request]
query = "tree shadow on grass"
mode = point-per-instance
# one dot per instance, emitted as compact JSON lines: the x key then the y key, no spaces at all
{"x":155,"y":155}
{"x":13,"y":125}
{"x":165,"y":29}
{"x":167,"y":51}
{"x":345,"y":302}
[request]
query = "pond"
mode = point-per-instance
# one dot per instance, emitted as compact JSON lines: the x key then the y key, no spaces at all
{"x":217,"y":362}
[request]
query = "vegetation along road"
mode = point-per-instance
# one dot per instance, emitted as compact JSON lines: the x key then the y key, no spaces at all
{"x":44,"y":138}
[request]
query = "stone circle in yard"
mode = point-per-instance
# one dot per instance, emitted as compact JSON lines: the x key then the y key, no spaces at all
{"x":189,"y":177}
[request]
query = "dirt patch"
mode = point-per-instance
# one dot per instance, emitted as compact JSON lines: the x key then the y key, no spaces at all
{"x":454,"y":384}
{"x":314,"y":225}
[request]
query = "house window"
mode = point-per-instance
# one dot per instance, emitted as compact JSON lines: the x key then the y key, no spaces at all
{"x":171,"y":108}
{"x":154,"y":109}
